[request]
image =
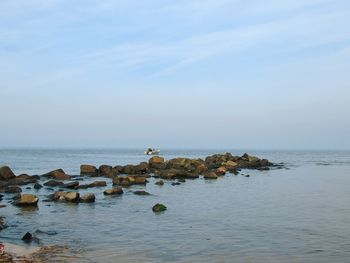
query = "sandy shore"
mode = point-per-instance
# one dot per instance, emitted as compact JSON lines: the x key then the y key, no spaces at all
{"x":22,"y":254}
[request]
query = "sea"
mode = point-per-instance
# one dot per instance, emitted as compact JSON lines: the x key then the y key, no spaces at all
{"x":298,"y":213}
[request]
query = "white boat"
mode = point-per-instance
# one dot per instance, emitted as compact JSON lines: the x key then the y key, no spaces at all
{"x":152,"y":151}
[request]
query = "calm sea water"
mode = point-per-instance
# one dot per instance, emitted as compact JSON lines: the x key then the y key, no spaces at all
{"x":299,"y":214}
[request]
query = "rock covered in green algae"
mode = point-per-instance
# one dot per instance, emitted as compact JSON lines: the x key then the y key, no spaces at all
{"x":159,"y":208}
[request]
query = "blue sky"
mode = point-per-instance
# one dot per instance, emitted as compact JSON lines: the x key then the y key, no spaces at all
{"x":206,"y":74}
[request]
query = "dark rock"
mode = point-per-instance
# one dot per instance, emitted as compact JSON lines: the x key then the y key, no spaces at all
{"x":141,"y":168}
{"x":98,"y":184}
{"x":87,"y":198}
{"x":11,"y":189}
{"x":71,"y":185}
{"x":28,"y":237}
{"x":37,"y":186}
{"x":141,"y":193}
{"x":53,"y":183}
{"x":160,"y":182}
{"x":87,"y":169}
{"x":114,"y":191}
{"x":6,"y":173}
{"x":175,"y":183}
{"x":159,"y":208}
{"x":106,"y":170}
{"x":58,"y":174}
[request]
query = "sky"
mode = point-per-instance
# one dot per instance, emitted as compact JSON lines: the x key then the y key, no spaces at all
{"x":239,"y":74}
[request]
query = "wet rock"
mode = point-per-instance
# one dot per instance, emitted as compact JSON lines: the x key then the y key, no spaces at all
{"x":71,"y":197}
{"x":141,"y":193}
{"x":159,"y":208}
{"x":11,"y":189}
{"x":53,"y":183}
{"x":175,"y":183}
{"x":87,"y":169}
{"x":140,"y":180}
{"x":230,"y":165}
{"x":141,"y":168}
{"x":71,"y":185}
{"x":3,"y":224}
{"x":210,"y":175}
{"x":98,"y":184}
{"x":28,"y":237}
{"x":27,"y":200}
{"x":58,"y":174}
{"x":114,"y":191}
{"x":175,"y":173}
{"x":106,"y":170}
{"x":6,"y":173}
{"x":37,"y":186}
{"x":221,"y":171}
{"x":160,"y":182}
{"x":156,"y":162}
{"x":88,"y":198}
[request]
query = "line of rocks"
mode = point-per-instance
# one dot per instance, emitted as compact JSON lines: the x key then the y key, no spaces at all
{"x":125,"y":176}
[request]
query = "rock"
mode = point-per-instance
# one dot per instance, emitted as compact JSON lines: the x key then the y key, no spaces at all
{"x":141,"y":168}
{"x":6,"y":173}
{"x":53,"y":183}
{"x":140,"y":180}
{"x":3,"y":224}
{"x":159,"y":208}
{"x":173,"y":173}
{"x":87,"y":169}
{"x":71,"y":197}
{"x":27,"y":200}
{"x":246,"y":175}
{"x":58,"y":174}
{"x":11,"y":189}
{"x":37,"y":186}
{"x":71,"y":185}
{"x":157,"y":162}
{"x":59,"y":195}
{"x":181,"y":180}
{"x":28,"y":237}
{"x":114,"y":191}
{"x":210,"y":175}
{"x":175,"y":183}
{"x":106,"y":170}
{"x":160,"y":182}
{"x":98,"y":184}
{"x":128,"y":169}
{"x":88,"y":198}
{"x":230,"y":165}
{"x":141,"y":193}
{"x":221,"y":171}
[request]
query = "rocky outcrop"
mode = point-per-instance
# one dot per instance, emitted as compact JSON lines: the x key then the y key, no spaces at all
{"x":27,"y":200}
{"x":157,"y":163}
{"x":114,"y":191}
{"x":58,"y":174}
{"x":6,"y":173}
{"x":87,"y":169}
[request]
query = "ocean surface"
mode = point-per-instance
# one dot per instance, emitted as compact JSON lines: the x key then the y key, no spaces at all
{"x":297,"y":214}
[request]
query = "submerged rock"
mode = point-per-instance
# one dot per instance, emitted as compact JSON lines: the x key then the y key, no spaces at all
{"x":160,"y":182}
{"x":159,"y":208}
{"x":114,"y":191}
{"x":141,"y":193}
{"x":28,"y":237}
{"x":88,"y":198}
{"x":53,"y":183}
{"x":27,"y":200}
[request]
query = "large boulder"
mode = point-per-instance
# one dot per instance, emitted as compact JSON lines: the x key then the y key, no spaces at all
{"x":58,"y":174}
{"x":114,"y":191}
{"x":106,"y":170}
{"x":71,"y":197}
{"x":27,"y":200}
{"x":87,"y":169}
{"x":141,"y":168}
{"x":156,"y":162}
{"x":6,"y":173}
